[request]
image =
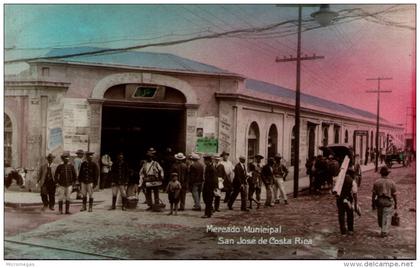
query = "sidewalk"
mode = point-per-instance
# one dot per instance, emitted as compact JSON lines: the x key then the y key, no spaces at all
{"x":25,"y":199}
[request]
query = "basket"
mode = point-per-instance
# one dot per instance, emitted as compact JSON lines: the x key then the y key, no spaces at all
{"x":132,"y":202}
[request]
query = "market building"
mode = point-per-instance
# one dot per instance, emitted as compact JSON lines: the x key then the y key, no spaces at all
{"x":130,"y":101}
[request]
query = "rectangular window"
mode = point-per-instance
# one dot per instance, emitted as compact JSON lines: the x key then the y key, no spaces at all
{"x":145,"y":92}
{"x":45,"y":71}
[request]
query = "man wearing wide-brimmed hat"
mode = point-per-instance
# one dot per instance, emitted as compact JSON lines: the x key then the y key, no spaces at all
{"x":151,"y":174}
{"x":181,"y":169}
{"x":384,"y":198}
{"x":65,"y":176}
{"x":196,"y":177}
{"x":46,"y":182}
{"x":88,"y":177}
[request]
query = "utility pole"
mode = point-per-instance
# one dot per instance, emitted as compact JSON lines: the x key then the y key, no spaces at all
{"x":378,"y":91}
{"x":298,"y":59}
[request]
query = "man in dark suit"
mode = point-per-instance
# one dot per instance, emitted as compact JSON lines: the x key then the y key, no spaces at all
{"x":88,"y":177}
{"x":239,"y":184}
{"x":65,"y":177}
{"x":210,"y":184}
{"x":46,"y":183}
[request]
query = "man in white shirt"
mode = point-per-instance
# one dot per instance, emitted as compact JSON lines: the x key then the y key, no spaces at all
{"x":228,"y":176}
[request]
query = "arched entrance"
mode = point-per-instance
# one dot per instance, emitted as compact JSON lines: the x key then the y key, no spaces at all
{"x":272,"y":141}
{"x":136,"y":117}
{"x":311,"y":140}
{"x":253,"y":140}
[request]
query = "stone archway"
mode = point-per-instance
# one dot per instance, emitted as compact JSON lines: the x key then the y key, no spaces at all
{"x":97,"y":100}
{"x":125,"y":78}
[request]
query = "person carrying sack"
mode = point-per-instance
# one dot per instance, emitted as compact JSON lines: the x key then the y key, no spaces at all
{"x":384,"y":199}
{"x":151,"y":175}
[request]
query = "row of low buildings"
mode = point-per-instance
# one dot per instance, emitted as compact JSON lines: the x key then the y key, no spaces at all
{"x":130,"y":101}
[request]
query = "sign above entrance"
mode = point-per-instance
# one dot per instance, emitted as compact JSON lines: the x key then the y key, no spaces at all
{"x":206,"y":145}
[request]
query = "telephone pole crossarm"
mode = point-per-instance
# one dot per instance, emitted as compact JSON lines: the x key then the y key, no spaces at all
{"x":285,"y":59}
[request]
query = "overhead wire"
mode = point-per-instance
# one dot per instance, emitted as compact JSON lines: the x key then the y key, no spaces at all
{"x":194,"y":38}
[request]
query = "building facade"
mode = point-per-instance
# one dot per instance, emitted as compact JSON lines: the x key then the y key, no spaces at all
{"x":130,"y":101}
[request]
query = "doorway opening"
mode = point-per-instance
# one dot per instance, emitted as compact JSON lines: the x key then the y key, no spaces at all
{"x":133,"y":130}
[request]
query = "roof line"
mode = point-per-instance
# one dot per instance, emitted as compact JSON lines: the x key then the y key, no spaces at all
{"x":118,"y":66}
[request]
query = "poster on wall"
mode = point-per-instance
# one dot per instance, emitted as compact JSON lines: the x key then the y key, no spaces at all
{"x":55,"y":130}
{"x":76,"y":118}
{"x":206,"y":145}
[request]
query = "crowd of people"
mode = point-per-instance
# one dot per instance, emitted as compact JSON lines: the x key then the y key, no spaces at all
{"x":207,"y":177}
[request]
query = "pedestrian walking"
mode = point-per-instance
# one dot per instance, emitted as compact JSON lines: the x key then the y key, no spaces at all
{"x":180,"y":167}
{"x":268,"y":180}
{"x":46,"y":183}
{"x":384,"y":199}
{"x":209,"y":185}
{"x":88,"y":177}
{"x":228,"y":176}
{"x":280,"y":173}
{"x":240,"y":184}
{"x":346,"y":202}
{"x":255,"y":182}
{"x":106,"y":169}
{"x":382,"y":154}
{"x":65,"y":176}
{"x":173,"y":189}
{"x":119,"y":181}
{"x":196,"y":176}
{"x":152,"y":175}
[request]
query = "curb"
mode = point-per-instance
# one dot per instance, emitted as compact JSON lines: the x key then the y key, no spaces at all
{"x":22,"y":205}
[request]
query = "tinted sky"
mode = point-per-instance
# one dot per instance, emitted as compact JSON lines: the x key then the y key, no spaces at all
{"x":355,"y":48}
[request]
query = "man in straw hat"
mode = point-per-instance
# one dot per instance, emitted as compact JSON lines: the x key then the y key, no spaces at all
{"x":151,"y":174}
{"x":46,"y":183}
{"x":384,"y":198}
{"x":88,"y":177}
{"x":181,"y":169}
{"x":65,"y":176}
{"x":196,"y":177}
